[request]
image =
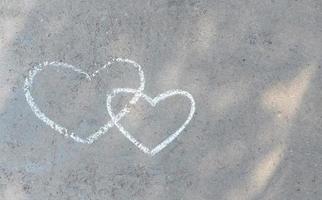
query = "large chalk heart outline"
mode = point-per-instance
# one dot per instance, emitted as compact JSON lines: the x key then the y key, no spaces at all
{"x":153,"y":102}
{"x":61,"y":129}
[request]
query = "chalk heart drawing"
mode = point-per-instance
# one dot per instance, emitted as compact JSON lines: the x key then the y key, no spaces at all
{"x":153,"y":102}
{"x":59,"y":128}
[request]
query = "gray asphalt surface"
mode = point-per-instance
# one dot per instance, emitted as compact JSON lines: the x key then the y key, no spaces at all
{"x":253,"y":68}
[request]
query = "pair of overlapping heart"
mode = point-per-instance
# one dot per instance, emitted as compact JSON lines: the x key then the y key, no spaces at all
{"x":115,"y":117}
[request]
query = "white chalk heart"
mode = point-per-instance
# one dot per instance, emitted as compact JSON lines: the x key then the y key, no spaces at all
{"x":59,"y":128}
{"x":152,"y":102}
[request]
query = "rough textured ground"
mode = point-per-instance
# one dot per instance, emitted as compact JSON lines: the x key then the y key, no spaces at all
{"x":253,"y":67}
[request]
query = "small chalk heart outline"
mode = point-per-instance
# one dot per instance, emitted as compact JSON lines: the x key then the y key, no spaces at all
{"x":153,"y":102}
{"x":61,"y":129}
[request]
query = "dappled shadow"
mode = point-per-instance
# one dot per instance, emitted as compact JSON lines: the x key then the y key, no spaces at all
{"x":254,"y":71}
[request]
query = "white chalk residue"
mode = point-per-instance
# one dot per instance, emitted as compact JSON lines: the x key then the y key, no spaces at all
{"x":152,"y":102}
{"x":115,"y":118}
{"x":59,"y":128}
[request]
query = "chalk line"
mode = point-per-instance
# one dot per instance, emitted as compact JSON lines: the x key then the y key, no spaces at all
{"x":61,"y":129}
{"x":152,"y":102}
